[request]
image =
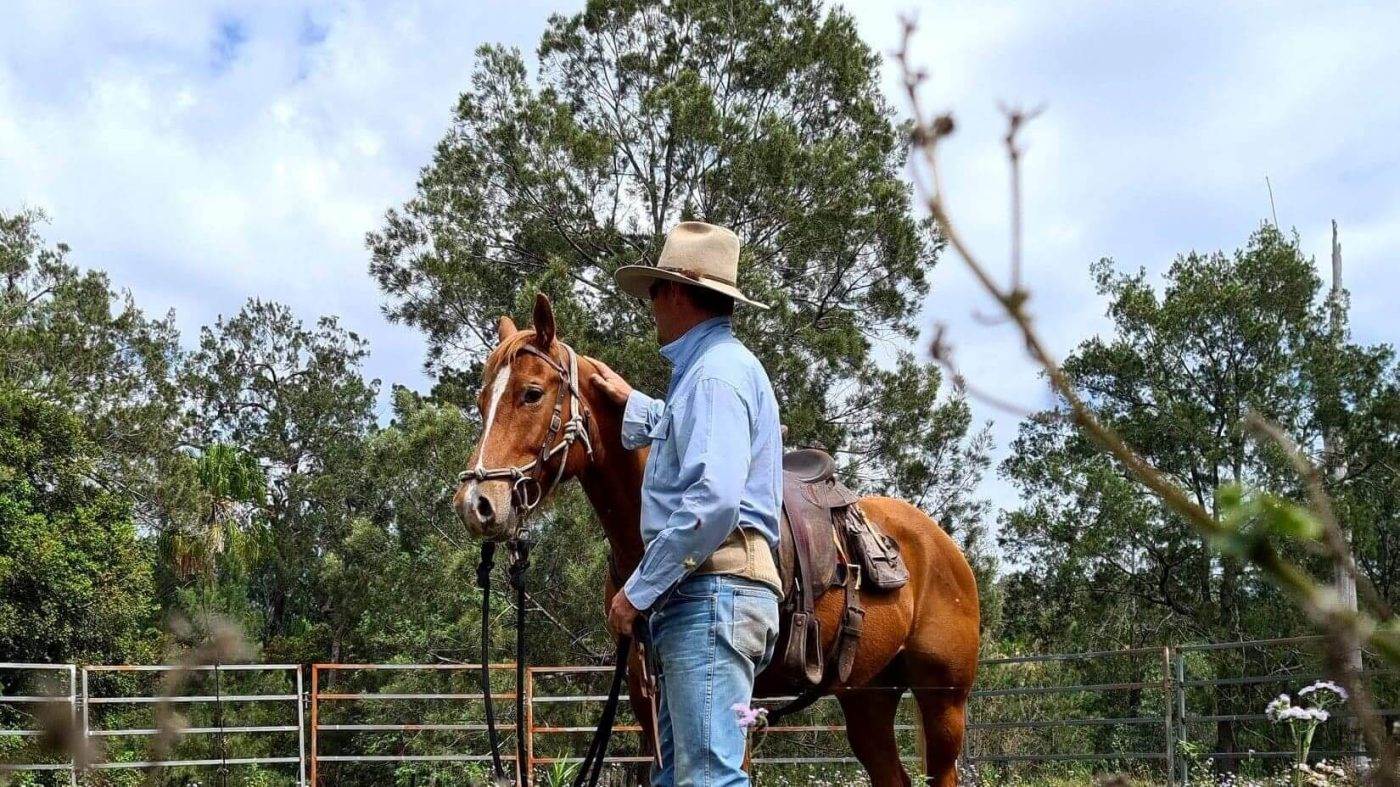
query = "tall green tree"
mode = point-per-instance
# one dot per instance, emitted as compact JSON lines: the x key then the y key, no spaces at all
{"x":405,"y":535}
{"x":75,"y":579}
{"x":1224,"y":335}
{"x":766,"y":117}
{"x":70,"y":337}
{"x":292,"y":398}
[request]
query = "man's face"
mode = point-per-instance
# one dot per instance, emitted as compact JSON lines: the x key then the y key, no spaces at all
{"x":664,"y":308}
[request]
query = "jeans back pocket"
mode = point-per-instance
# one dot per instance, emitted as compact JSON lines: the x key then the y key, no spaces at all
{"x":754,"y":629}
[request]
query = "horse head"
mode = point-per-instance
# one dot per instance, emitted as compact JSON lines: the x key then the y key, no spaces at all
{"x":536,"y":429}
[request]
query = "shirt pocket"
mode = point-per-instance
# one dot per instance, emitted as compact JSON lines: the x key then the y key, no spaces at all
{"x":662,"y":429}
{"x":658,"y":437}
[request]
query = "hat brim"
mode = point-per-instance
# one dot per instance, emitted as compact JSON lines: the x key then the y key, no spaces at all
{"x":635,"y":280}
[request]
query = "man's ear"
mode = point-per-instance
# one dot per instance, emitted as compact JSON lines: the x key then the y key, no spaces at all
{"x":544,"y":321}
{"x":505,"y":328}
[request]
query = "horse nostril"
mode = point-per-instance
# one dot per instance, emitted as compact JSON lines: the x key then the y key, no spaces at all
{"x":485,"y":513}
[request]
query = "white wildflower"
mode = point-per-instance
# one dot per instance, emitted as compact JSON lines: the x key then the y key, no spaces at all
{"x":1299,"y":713}
{"x":1324,"y":685}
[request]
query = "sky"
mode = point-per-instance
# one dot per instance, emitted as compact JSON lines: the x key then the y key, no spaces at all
{"x":206,"y":152}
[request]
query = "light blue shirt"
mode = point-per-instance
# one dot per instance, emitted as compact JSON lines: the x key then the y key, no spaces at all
{"x":716,"y":458}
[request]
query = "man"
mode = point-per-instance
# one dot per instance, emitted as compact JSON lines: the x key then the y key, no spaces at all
{"x":710,"y":505}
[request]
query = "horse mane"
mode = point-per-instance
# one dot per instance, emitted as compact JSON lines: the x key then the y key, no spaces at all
{"x":505,"y":352}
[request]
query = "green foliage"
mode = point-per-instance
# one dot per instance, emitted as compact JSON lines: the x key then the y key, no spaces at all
{"x":72,"y":339}
{"x":1225,"y":335}
{"x":293,"y":402}
{"x":767,"y":117}
{"x":1262,"y":514}
{"x":75,"y":580}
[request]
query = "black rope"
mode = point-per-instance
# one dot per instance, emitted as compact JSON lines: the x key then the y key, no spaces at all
{"x":802,"y":701}
{"x":483,"y":581}
{"x":518,"y":567}
{"x":592,"y":767}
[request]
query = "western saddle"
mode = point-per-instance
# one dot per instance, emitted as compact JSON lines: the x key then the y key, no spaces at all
{"x":826,"y":542}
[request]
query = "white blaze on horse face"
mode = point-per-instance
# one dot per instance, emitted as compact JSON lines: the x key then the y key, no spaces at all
{"x":498,"y":389}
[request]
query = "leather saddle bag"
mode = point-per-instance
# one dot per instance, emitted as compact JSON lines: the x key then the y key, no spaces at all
{"x":882,"y":568}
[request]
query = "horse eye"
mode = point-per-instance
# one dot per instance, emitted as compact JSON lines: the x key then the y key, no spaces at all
{"x":533,"y":395}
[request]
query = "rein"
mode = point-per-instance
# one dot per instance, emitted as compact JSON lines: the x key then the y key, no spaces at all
{"x":527,"y":492}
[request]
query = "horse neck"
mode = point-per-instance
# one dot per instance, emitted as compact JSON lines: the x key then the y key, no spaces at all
{"x":612,"y":482}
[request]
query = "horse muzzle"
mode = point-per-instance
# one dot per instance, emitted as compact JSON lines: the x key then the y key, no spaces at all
{"x":485,"y":508}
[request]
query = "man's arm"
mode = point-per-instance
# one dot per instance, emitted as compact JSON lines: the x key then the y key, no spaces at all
{"x":712,"y":435}
{"x":640,"y":412}
{"x":638,"y":418}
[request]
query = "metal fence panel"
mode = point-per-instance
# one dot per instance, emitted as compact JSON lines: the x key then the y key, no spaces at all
{"x":321,"y":701}
{"x":92,"y":702}
{"x":1138,"y":708}
{"x":1226,"y":685}
{"x":13,"y":701}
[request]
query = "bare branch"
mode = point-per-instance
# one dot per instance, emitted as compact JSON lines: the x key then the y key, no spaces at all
{"x":1321,"y":605}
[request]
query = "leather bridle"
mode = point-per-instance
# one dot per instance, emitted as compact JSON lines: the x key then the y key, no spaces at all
{"x":527,"y":488}
{"x":527,"y":492}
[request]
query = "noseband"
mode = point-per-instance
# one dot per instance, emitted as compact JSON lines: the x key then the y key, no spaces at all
{"x":527,"y":489}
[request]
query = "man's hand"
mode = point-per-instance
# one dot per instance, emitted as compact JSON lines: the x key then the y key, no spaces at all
{"x":612,"y":385}
{"x":622,"y":616}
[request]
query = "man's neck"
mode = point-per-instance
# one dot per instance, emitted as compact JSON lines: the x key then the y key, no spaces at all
{"x":674,"y":330}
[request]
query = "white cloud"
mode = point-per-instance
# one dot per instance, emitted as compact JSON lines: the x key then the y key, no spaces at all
{"x":204,"y":152}
{"x":1161,"y":123}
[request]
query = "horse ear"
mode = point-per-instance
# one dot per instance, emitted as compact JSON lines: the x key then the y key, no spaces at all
{"x":505,"y":328}
{"x":544,"y":321}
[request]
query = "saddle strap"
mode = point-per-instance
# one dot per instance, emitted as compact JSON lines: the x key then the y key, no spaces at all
{"x":804,"y":648}
{"x":852,"y":624}
{"x":844,"y":649}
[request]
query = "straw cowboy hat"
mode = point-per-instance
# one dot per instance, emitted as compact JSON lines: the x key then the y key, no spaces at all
{"x":697,"y":254}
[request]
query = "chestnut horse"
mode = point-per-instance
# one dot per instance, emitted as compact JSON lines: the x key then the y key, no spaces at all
{"x":922,"y":638}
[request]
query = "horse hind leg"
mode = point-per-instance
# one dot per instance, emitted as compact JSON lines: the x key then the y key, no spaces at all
{"x":870,"y":730}
{"x":943,"y":718}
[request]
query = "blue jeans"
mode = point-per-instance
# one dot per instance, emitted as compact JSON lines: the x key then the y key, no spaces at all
{"x":711,"y":635}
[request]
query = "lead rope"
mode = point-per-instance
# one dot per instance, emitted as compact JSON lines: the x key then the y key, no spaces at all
{"x":483,"y":581}
{"x":591,"y":769}
{"x":520,"y":549}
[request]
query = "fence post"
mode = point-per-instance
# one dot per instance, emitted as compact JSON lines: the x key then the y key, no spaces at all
{"x":315,"y":692}
{"x":301,"y":730}
{"x":1168,"y":700}
{"x":73,"y":719}
{"x":87,"y":753}
{"x":1181,"y":732}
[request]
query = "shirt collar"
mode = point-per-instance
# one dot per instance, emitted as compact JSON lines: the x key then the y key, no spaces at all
{"x":683,"y":350}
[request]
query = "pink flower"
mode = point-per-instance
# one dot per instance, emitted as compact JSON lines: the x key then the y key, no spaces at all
{"x":748,"y":717}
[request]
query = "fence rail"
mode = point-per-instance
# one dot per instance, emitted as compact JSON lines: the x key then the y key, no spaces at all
{"x":1138,"y":707}
{"x":126,"y":694}
{"x":19,"y":671}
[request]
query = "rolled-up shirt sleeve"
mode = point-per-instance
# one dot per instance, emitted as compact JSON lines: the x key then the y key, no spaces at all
{"x":713,"y":435}
{"x":638,"y":417}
